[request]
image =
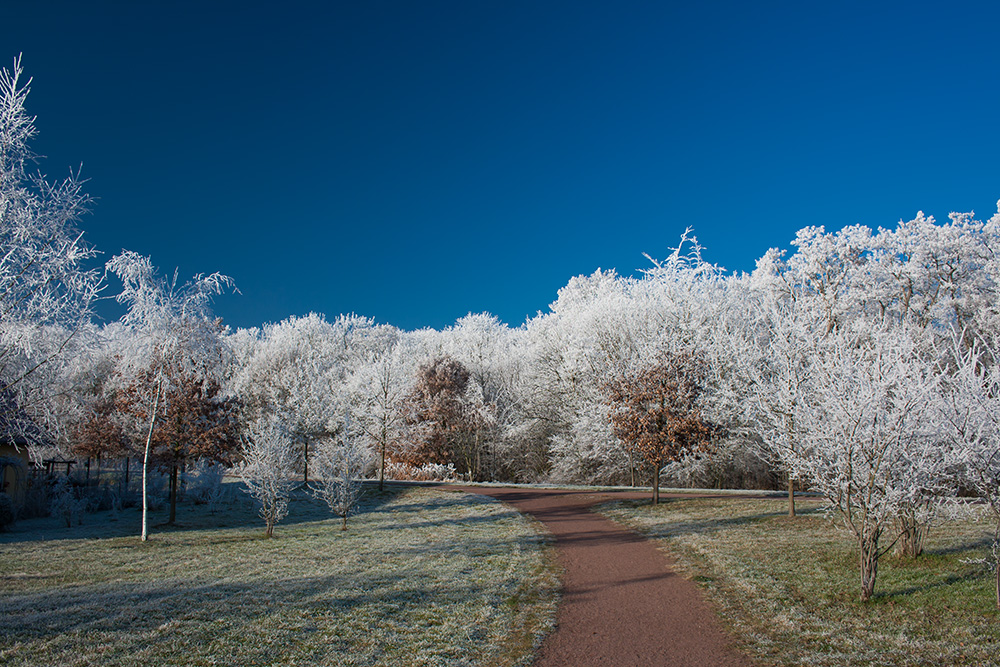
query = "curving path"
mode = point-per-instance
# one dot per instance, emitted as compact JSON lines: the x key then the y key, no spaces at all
{"x":621,"y":605}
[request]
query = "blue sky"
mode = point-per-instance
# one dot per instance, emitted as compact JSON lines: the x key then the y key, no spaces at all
{"x":415,"y":161}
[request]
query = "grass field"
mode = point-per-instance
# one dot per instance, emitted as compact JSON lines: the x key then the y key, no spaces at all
{"x":422,"y":577}
{"x":787,"y":587}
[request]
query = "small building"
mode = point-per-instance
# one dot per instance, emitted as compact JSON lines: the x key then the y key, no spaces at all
{"x":14,"y":466}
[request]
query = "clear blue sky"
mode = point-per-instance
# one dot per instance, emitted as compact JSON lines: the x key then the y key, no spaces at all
{"x":415,"y":161}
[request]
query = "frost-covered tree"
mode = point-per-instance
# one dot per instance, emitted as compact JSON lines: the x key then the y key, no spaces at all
{"x":296,"y":371}
{"x":46,"y":286}
{"x":488,"y":349}
{"x":971,"y":411}
{"x":919,"y":276}
{"x":288,"y":375}
{"x":268,"y":463}
{"x":341,"y":465}
{"x":170,"y":334}
{"x":379,"y":386}
{"x":870,"y":439}
{"x":773,"y":344}
{"x":604,"y":327}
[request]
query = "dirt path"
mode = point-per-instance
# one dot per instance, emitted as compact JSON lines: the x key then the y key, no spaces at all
{"x":621,"y":605}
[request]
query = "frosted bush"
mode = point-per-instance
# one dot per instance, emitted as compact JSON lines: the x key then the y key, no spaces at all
{"x":428,"y":472}
{"x":65,"y":504}
{"x":204,"y":483}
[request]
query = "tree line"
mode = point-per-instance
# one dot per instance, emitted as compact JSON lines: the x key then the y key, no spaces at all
{"x":862,"y":366}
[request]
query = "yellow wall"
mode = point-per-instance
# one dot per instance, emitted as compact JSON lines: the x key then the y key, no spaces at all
{"x":14,"y":481}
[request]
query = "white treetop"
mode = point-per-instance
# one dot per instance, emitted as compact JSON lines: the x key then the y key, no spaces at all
{"x":45,"y":280}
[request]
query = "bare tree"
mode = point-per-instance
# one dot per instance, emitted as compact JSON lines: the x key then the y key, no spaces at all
{"x":341,"y":466}
{"x":268,"y":463}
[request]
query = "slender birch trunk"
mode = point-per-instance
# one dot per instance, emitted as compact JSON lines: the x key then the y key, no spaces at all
{"x":145,"y":461}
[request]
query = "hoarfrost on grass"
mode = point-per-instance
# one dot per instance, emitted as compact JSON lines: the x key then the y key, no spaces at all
{"x":780,"y":585}
{"x":428,"y":578}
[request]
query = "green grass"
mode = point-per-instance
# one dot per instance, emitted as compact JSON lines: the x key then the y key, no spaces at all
{"x":422,"y":577}
{"x":787,"y":588}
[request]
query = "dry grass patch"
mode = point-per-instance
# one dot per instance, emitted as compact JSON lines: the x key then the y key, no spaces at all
{"x":422,"y":577}
{"x":788,"y":588}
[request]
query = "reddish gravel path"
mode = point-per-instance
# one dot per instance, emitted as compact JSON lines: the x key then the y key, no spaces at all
{"x":622,"y":606}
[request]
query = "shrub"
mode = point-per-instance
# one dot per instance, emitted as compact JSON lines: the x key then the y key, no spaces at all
{"x":65,"y":504}
{"x":204,"y":483}
{"x":428,"y":472}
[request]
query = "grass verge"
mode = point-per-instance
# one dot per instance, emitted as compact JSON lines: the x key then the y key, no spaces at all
{"x":422,"y":577}
{"x":787,"y":587}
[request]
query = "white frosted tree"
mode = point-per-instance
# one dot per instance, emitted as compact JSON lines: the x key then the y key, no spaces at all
{"x":167,"y":327}
{"x":297,"y":371}
{"x":267,"y":466}
{"x":341,"y":466}
{"x":489,"y":349}
{"x":971,"y":410}
{"x":870,"y":440}
{"x":772,"y":341}
{"x":46,"y":286}
{"x":378,"y":386}
{"x":604,"y":327}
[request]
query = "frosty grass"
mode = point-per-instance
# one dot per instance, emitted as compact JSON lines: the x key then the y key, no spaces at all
{"x":422,"y":577}
{"x":787,"y":588}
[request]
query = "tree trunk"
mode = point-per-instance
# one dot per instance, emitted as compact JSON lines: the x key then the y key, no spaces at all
{"x":791,"y":495}
{"x":996,"y":561}
{"x":911,"y":536}
{"x":305,"y":462}
{"x":381,"y":471}
{"x":868,"y":543}
{"x":343,"y":526}
{"x":790,"y":429}
{"x":996,"y":582}
{"x":145,"y":462}
{"x":173,"y":494}
{"x":479,"y":456}
{"x":656,"y":483}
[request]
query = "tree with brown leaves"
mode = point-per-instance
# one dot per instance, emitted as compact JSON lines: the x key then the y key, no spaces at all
{"x":195,"y":421}
{"x":655,"y":412}
{"x":443,"y":419}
